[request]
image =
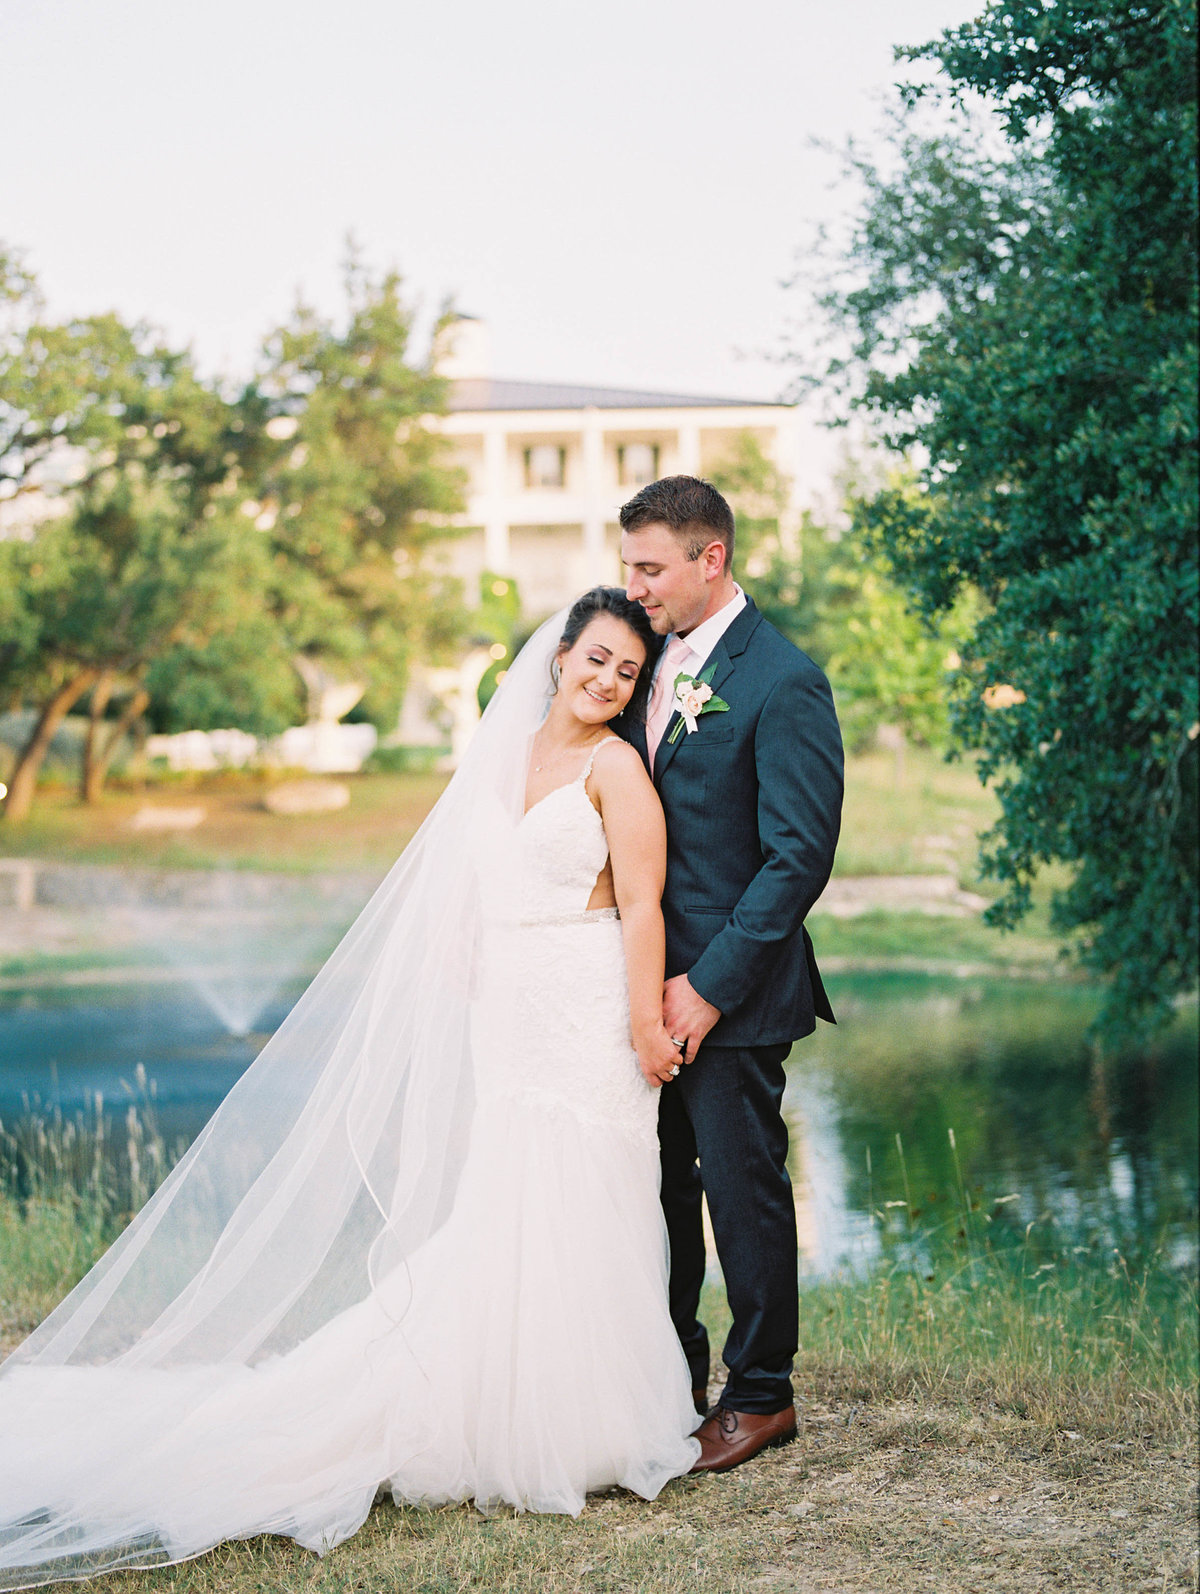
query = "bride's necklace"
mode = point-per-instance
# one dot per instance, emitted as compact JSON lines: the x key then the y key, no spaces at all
{"x":550,"y":759}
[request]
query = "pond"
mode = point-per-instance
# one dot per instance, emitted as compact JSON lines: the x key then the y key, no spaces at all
{"x":937,"y":1103}
{"x":936,"y":1097}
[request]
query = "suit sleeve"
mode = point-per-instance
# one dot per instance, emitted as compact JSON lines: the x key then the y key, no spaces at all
{"x":798,"y":760}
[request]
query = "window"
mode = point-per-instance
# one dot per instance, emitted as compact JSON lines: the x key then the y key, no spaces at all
{"x":545,"y":465}
{"x":637,"y":464}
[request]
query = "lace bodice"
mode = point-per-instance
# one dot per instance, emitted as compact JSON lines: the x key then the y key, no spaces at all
{"x":563,"y":848}
{"x":553,"y":1027}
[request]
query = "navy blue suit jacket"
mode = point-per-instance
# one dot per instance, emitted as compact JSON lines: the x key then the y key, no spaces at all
{"x":753,"y":803}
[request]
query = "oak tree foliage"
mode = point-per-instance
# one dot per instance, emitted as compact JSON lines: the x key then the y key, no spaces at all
{"x":1018,"y":310}
{"x":189,"y":546}
{"x":134,"y":544}
{"x":836,"y":596}
{"x":355,"y":499}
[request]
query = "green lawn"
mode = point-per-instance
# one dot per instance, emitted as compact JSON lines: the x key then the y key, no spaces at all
{"x":237,"y":831}
{"x":920,"y":940}
{"x":914,"y":815}
{"x":918,"y":817}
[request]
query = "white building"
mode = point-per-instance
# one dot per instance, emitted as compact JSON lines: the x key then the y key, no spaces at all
{"x":549,"y":464}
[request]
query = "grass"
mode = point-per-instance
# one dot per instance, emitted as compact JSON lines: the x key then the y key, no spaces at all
{"x":237,"y":832}
{"x":962,"y":1295}
{"x":929,"y":941}
{"x":976,"y":1414}
{"x":36,"y":965}
{"x":917,"y":942}
{"x":1062,"y":1342}
{"x":920,"y":815}
{"x":921,"y":819}
{"x":987,"y":1426}
{"x":68,"y":1186}
{"x":928,"y":1497}
{"x":1008,"y":1416}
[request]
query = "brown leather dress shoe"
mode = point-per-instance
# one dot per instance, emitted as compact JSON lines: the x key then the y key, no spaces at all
{"x":728,"y":1438}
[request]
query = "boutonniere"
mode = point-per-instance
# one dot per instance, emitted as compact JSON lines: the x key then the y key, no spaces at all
{"x":693,"y":697}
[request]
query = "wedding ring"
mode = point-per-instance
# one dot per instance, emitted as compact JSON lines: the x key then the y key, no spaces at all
{"x":674,"y":1070}
{"x":675,"y":1041}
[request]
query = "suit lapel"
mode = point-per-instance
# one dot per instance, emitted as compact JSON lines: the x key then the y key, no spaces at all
{"x":725,"y":656}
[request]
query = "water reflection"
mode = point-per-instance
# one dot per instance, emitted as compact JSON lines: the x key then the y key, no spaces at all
{"x":982,"y":1096}
{"x":1094,"y":1154}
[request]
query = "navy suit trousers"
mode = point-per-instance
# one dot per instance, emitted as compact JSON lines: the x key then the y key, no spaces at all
{"x":721,"y":1130}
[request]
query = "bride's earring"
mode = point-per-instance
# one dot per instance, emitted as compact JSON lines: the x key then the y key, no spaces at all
{"x":554,"y":676}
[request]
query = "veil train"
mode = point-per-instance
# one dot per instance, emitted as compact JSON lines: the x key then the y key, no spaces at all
{"x":293,"y":1219}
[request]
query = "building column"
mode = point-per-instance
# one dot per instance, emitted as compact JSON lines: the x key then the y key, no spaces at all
{"x":689,"y":450}
{"x":497,"y":552}
{"x":592,"y":451}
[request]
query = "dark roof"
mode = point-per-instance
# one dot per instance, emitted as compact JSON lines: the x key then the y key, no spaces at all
{"x":498,"y":393}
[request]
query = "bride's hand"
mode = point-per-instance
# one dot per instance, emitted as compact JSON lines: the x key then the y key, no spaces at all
{"x":658,"y":1055}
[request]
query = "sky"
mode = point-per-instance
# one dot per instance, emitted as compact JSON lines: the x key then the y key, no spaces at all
{"x":618,"y":189}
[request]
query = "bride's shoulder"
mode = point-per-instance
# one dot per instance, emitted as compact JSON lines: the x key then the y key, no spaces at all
{"x":628,"y":757}
{"x":616,"y":766}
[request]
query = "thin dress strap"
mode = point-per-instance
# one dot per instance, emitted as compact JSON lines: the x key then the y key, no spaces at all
{"x":587,"y":768}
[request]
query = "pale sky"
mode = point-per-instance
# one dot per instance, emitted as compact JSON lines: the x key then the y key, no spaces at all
{"x":618,"y":189}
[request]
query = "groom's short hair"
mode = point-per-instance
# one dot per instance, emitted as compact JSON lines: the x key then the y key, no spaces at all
{"x":693,"y":509}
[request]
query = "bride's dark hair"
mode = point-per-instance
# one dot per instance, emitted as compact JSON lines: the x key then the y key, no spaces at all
{"x":612,"y":600}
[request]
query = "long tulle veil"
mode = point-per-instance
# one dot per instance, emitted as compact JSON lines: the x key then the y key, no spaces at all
{"x":332,"y":1160}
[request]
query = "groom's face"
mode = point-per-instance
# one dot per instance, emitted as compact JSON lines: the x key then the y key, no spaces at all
{"x":673,"y":589}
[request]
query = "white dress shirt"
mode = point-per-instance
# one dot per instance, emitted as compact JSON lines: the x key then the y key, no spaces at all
{"x":702,"y":639}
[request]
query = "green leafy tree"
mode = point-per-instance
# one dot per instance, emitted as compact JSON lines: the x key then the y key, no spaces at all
{"x":137,"y":543}
{"x":1019,"y":311}
{"x":889,"y":665}
{"x":497,"y":621}
{"x":772,"y":560}
{"x":836,"y":597}
{"x":191,"y":548}
{"x":353,"y":503}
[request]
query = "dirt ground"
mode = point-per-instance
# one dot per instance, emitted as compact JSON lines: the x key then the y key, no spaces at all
{"x":906,"y":1496}
{"x":894,"y":1495}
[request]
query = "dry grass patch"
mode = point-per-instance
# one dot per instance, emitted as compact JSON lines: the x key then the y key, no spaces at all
{"x":1056,"y":1451}
{"x":922,"y":819}
{"x":904,"y":1494}
{"x":926,"y":1462}
{"x":237,"y":831}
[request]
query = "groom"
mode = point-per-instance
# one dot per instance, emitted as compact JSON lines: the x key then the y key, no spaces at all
{"x":752,"y":793}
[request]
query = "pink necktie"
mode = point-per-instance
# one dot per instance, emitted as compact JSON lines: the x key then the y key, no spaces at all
{"x":662,"y":694}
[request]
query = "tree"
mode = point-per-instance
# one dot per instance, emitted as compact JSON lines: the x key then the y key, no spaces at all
{"x":837,"y":597}
{"x":1023,"y":320}
{"x":138,"y":544}
{"x":193,"y":548}
{"x":353,"y":502}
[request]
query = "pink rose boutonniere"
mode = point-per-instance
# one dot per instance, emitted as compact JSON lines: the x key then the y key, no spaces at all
{"x":693,"y":697}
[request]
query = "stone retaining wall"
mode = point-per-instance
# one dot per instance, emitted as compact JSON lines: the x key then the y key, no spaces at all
{"x":27,"y":883}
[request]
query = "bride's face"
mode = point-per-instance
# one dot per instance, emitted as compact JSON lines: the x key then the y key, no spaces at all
{"x":598,"y":674}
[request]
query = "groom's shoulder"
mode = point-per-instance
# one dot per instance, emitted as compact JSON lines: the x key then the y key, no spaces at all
{"x":779,"y":654}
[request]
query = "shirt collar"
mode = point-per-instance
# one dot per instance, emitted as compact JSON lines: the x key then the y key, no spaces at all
{"x":704,"y":638}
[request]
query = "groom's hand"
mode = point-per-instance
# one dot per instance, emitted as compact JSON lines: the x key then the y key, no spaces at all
{"x":686,"y":1015}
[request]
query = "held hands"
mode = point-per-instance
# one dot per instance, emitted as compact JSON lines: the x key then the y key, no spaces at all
{"x":663,"y":1048}
{"x":658,"y":1055}
{"x":686,"y":1015}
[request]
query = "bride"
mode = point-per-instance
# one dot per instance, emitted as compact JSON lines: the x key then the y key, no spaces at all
{"x":419,"y":1245}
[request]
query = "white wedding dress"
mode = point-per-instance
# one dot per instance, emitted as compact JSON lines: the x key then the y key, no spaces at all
{"x":521,"y":1353}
